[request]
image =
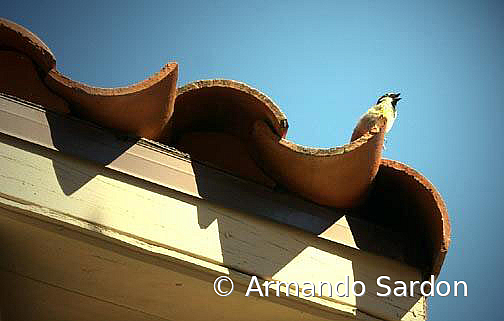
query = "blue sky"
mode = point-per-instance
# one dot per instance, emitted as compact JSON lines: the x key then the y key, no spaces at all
{"x":324,"y":63}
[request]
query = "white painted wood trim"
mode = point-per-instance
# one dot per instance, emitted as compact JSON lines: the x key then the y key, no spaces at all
{"x":87,"y":201}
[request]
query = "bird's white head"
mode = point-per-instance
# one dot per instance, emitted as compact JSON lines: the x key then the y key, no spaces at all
{"x":391,"y":98}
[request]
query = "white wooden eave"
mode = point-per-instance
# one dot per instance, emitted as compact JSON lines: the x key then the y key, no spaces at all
{"x":95,"y":227}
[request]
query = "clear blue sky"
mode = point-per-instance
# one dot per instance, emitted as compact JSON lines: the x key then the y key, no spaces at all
{"x":324,"y":63}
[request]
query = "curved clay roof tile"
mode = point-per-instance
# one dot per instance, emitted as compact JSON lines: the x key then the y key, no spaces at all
{"x":18,"y":38}
{"x":24,"y":61}
{"x":223,"y":105}
{"x":213,"y":120}
{"x":143,"y":109}
{"x":337,"y":177}
{"x":413,"y":205}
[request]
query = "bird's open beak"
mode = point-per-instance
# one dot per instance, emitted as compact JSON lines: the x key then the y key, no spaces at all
{"x":396,"y":97}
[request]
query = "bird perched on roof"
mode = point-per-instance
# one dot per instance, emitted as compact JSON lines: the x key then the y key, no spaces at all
{"x":385,"y":107}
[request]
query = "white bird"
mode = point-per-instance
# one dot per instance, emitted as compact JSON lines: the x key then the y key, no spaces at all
{"x":385,"y":107}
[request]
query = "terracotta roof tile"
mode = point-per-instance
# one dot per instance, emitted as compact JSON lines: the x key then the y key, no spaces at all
{"x":18,"y":38}
{"x":224,"y":105}
{"x":215,"y":148}
{"x":143,"y":109}
{"x":207,"y":109}
{"x":236,"y":128}
{"x":428,"y":205}
{"x":337,"y":177}
{"x":19,"y":77}
{"x":403,"y":199}
{"x":24,"y":61}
